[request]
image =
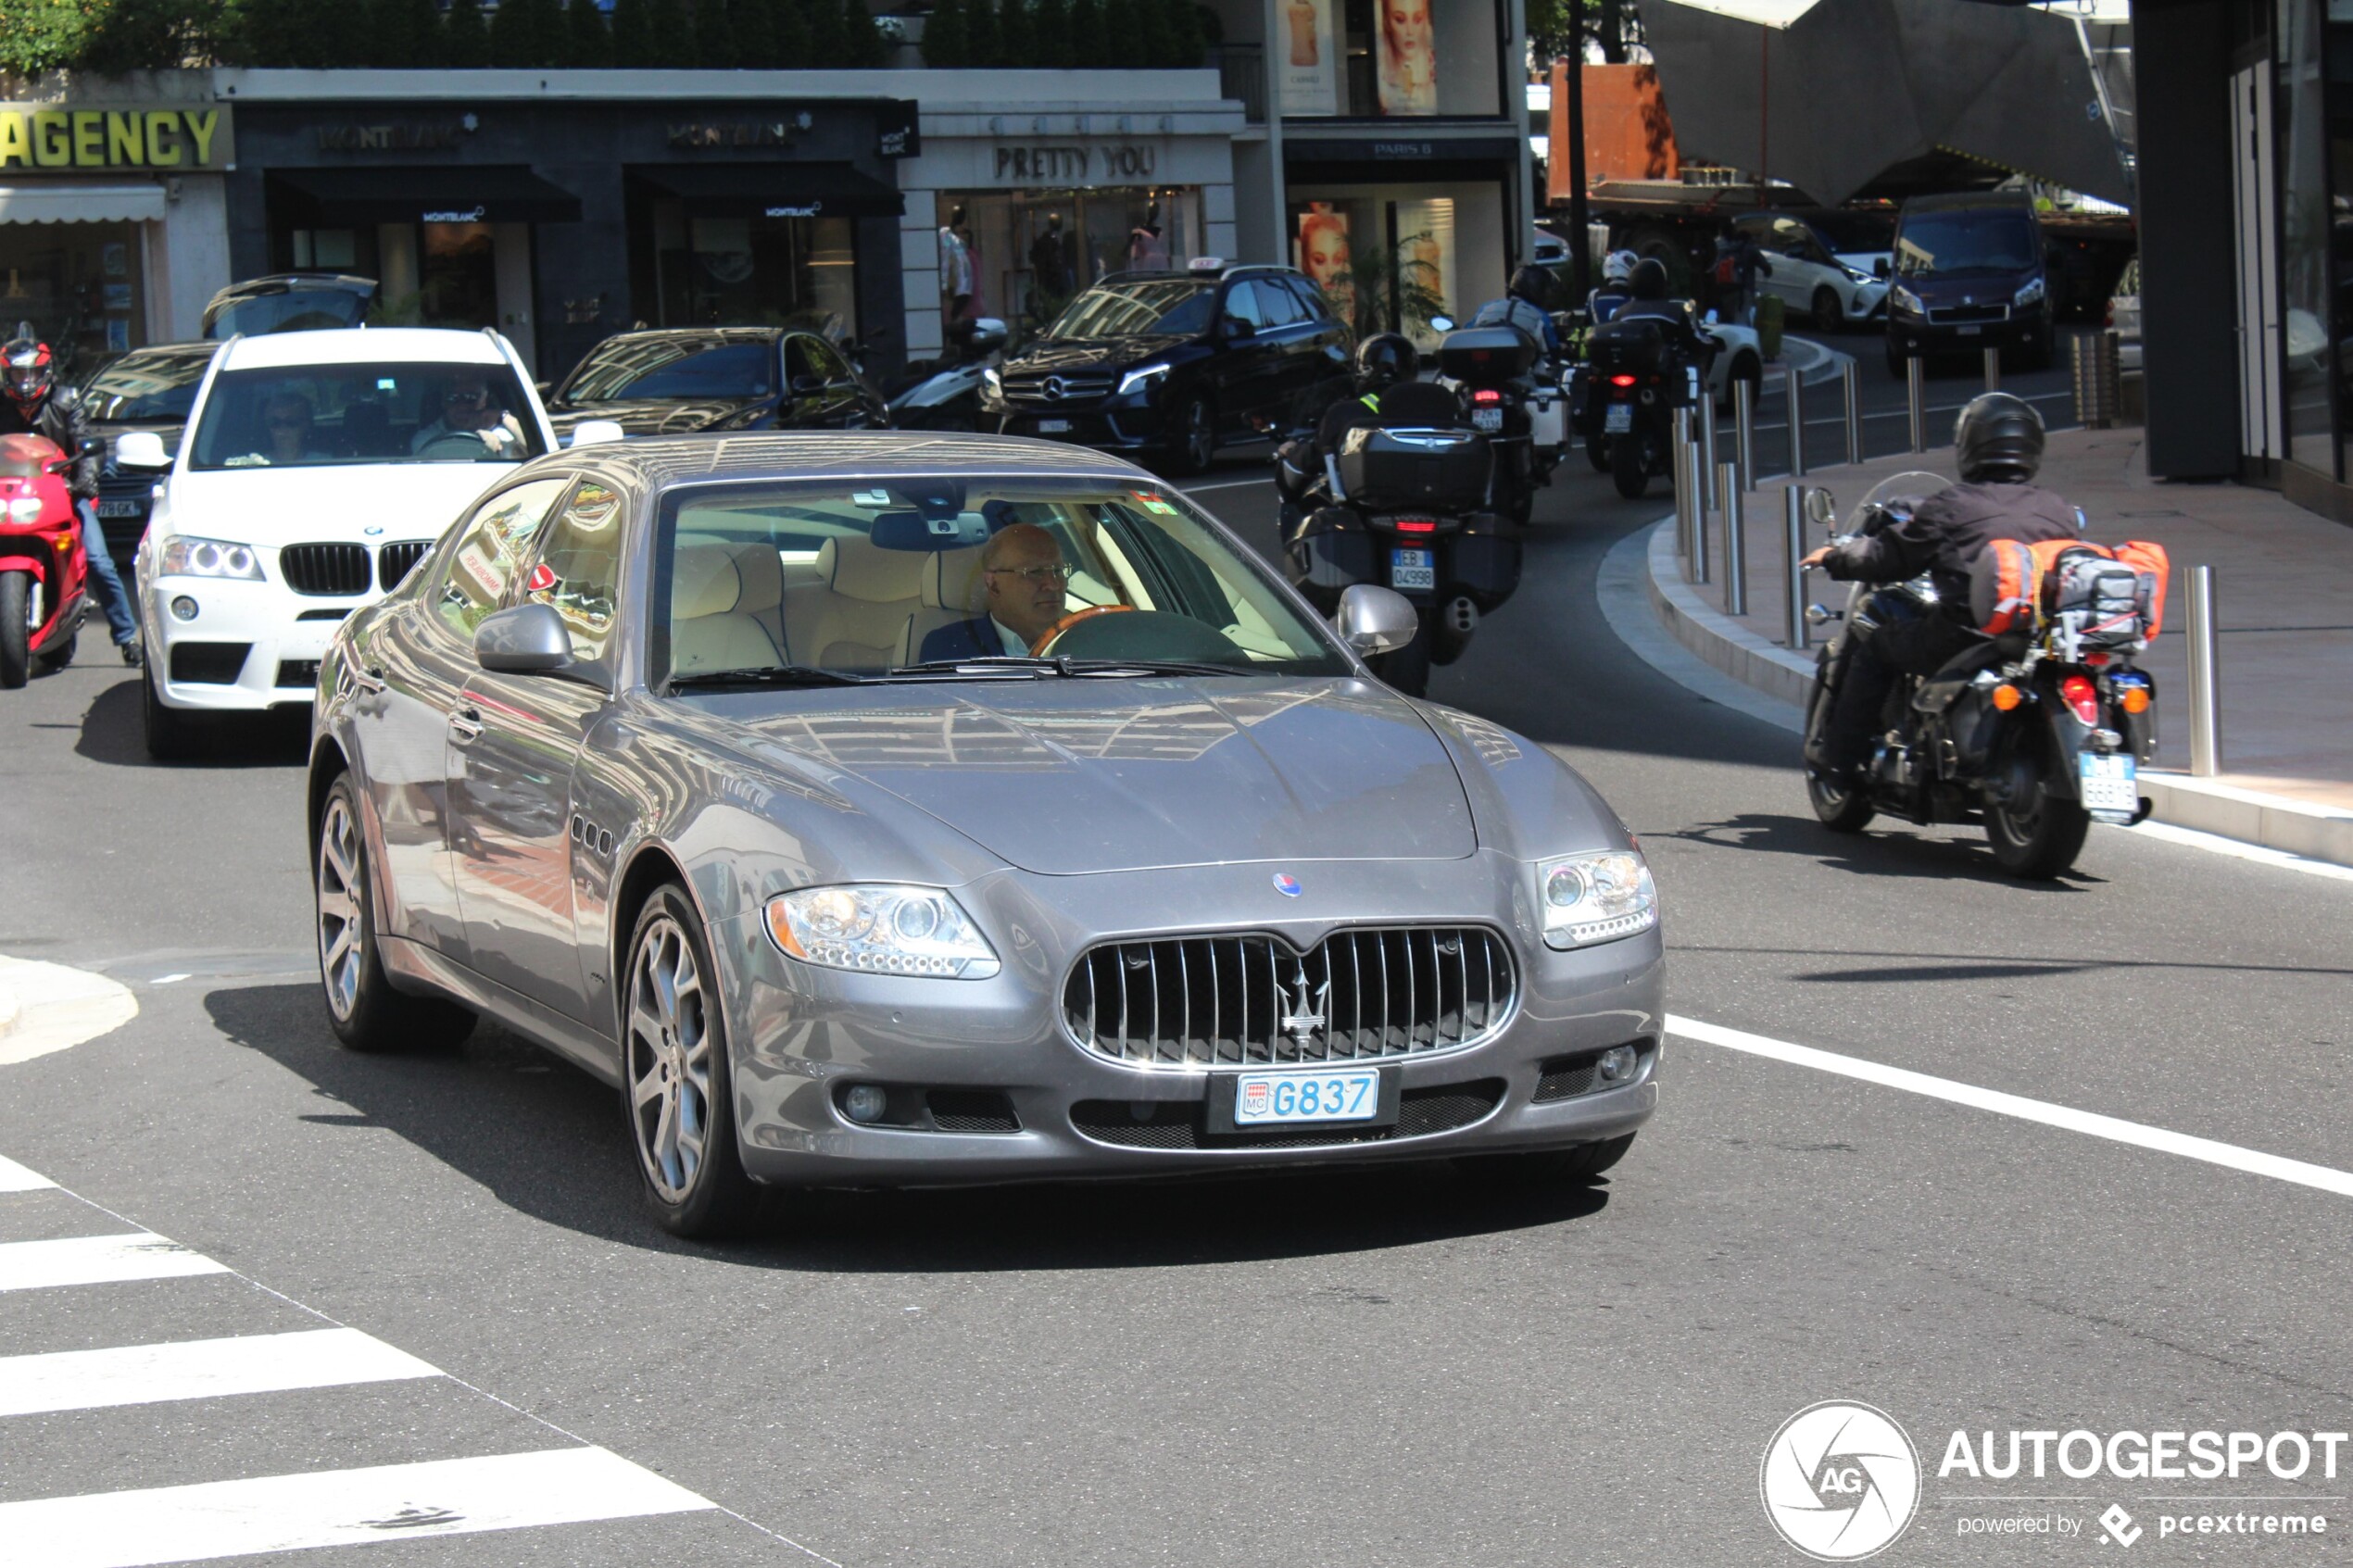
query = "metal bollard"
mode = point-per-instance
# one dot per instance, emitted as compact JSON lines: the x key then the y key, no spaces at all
{"x":2205,"y":678}
{"x":1992,"y":370}
{"x":1850,"y":377}
{"x":1735,"y":547}
{"x":1916,"y":392}
{"x":1794,"y":395}
{"x":1706,"y":451}
{"x":1699,"y":528}
{"x":1799,"y":634}
{"x":1745,"y":429}
{"x":1680,"y":452}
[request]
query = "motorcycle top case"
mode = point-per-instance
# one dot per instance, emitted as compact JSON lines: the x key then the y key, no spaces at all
{"x":1637,"y":347}
{"x":1402,"y":469}
{"x":1485,"y":353}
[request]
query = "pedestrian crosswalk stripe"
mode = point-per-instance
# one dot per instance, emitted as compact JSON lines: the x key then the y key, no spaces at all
{"x":200,"y":1369}
{"x":15,"y":1178}
{"x":98,"y":1259}
{"x":333,"y":1507}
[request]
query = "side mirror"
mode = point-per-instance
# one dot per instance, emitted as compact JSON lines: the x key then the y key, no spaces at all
{"x":1441,"y":323}
{"x":1374,"y":620}
{"x":1764,"y":268}
{"x":1880,"y":268}
{"x":989,"y":333}
{"x":526,"y":640}
{"x":1235,"y":327}
{"x":1821,"y":506}
{"x":1711,"y":317}
{"x":140,"y":450}
{"x":595,"y":432}
{"x":808,"y":386}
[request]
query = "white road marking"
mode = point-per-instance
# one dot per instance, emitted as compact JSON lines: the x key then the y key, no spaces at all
{"x":2139,"y":1135}
{"x":98,"y":1259}
{"x":15,"y":1178}
{"x":2262,"y":855}
{"x":1226,"y":484}
{"x":330,"y":1508}
{"x":200,"y":1369}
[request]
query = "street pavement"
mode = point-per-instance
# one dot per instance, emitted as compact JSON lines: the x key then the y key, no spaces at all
{"x":1405,"y":1367}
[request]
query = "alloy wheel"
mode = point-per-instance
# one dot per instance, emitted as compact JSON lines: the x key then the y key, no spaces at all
{"x":1200,"y":439}
{"x":343,"y":950}
{"x":669,"y":1059}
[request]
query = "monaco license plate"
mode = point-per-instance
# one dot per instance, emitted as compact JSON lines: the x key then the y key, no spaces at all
{"x":1619,"y":420}
{"x":1349,"y":1097}
{"x":1413,"y":569}
{"x":2110,"y":785}
{"x":1053,"y":427}
{"x":122,"y":508}
{"x":1487,"y":420}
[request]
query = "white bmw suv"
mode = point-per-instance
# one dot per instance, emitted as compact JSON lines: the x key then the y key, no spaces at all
{"x":317,"y":468}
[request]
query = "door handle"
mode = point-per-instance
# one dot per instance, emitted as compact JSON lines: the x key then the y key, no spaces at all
{"x":465,"y":725}
{"x":370,"y":680}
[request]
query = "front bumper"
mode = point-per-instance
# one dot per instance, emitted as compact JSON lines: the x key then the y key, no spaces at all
{"x":1910,"y":334}
{"x":1132,"y":425}
{"x":800,"y":1032}
{"x":280,"y":662}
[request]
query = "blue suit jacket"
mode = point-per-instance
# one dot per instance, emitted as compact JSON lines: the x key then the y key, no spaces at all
{"x":975,"y":638}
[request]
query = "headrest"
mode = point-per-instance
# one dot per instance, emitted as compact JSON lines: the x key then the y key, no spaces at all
{"x":859,"y":571}
{"x":951,"y":581}
{"x":703,"y":580}
{"x":762,"y":575}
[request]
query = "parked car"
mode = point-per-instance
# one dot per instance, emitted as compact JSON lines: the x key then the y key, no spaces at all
{"x":676,"y":380}
{"x":2124,"y":317}
{"x":1796,"y":265}
{"x":1174,"y":365}
{"x":147,"y":389}
{"x":317,"y":468}
{"x":289,"y":302}
{"x":1969,"y":274}
{"x":644,"y":762}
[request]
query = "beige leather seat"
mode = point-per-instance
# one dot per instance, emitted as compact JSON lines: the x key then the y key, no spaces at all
{"x":950,"y":593}
{"x":858,"y":619}
{"x":720,"y":596}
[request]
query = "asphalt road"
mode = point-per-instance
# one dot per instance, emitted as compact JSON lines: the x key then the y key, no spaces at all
{"x":1405,"y":1368}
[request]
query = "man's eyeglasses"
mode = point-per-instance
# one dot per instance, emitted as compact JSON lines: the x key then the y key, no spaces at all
{"x":466,"y":394}
{"x":1058,"y":572}
{"x":288,"y":421}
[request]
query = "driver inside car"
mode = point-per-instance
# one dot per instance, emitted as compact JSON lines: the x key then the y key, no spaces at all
{"x":470,"y":413}
{"x":1026,"y":579}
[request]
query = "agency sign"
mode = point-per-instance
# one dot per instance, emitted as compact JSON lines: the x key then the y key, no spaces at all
{"x":80,"y":139}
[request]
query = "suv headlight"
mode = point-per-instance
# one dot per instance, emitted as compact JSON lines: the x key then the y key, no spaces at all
{"x":1596,"y":897}
{"x":1904,"y":299}
{"x":186,"y":556}
{"x":2031,"y":294}
{"x":993,"y":386}
{"x":882,"y":929}
{"x":1141,"y":379}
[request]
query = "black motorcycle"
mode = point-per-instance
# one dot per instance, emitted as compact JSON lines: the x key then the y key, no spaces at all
{"x":1623,"y":398}
{"x":2035,"y":734}
{"x":1509,"y":389}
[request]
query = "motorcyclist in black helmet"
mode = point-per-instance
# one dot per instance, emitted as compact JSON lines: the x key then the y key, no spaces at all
{"x":1997,"y":448}
{"x":1380,"y":361}
{"x":1648,"y":285}
{"x":1527,"y":306}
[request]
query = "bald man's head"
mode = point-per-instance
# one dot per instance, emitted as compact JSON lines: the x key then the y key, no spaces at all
{"x":1022,"y":567}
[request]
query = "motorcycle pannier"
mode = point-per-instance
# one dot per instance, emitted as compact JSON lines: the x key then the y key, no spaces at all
{"x":1637,"y":348}
{"x":1400,"y":469}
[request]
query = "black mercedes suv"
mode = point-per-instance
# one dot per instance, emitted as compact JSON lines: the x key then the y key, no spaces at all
{"x":1174,"y":365}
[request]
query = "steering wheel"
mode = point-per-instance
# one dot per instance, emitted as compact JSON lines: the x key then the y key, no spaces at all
{"x":1053,"y":633}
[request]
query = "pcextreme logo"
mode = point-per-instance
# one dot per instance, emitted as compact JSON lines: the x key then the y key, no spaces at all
{"x":1840,"y":1480}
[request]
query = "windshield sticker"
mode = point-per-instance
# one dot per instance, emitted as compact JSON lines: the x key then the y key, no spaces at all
{"x":1153,"y":504}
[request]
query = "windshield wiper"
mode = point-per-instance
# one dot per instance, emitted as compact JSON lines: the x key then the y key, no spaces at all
{"x":1148,"y":666}
{"x":772,"y":675}
{"x":986,"y":664}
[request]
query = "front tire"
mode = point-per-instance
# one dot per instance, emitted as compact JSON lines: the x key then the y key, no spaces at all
{"x":1630,"y":467}
{"x":16,"y":632}
{"x":1597,"y":453}
{"x":1828,"y":317}
{"x":367,"y":1013}
{"x":2041,"y":842}
{"x":1192,"y":436}
{"x":1840,"y":807}
{"x":675,"y":1079}
{"x":1551,"y":1167}
{"x":170,"y":736}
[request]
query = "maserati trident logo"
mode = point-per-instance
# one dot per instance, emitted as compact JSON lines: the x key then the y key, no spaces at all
{"x":1287,"y":884}
{"x":1298,"y":1021}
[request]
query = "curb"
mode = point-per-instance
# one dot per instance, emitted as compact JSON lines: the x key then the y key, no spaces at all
{"x":9,"y":1010}
{"x":2269,"y":822}
{"x":1815,"y":362}
{"x":46,"y":1007}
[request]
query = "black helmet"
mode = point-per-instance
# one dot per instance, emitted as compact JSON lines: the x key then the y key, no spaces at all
{"x":1998,"y":439}
{"x":1649,"y":281}
{"x":1534,"y":285}
{"x":1383,"y":358}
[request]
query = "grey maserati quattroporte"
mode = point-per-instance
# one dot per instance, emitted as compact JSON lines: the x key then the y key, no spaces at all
{"x":885,"y":809}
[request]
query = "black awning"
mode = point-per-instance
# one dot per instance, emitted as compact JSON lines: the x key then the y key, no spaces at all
{"x":774,"y":190}
{"x":450,"y":194}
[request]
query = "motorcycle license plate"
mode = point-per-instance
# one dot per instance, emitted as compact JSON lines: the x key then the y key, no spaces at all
{"x":1619,"y":420}
{"x":1053,"y":427}
{"x":2110,"y":785}
{"x":1486,"y":421}
{"x":1971,"y":332}
{"x":1413,"y":569}
{"x":122,"y":508}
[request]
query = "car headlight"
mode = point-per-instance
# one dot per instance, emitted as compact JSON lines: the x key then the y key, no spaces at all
{"x":2031,"y":294}
{"x":186,"y":556}
{"x":1596,"y":897}
{"x":881,"y":929}
{"x":992,"y":385}
{"x":1904,"y":299}
{"x":1141,"y":379}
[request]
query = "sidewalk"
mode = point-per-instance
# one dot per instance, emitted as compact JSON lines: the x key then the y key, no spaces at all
{"x":2284,"y":595}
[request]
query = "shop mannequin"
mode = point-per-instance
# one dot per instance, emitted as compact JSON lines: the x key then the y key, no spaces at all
{"x":1146,"y":250}
{"x":955,"y":270}
{"x":1049,"y":262}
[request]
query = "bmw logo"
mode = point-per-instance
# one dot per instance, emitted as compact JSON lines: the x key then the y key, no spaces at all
{"x":1287,"y":884}
{"x":371,"y":533}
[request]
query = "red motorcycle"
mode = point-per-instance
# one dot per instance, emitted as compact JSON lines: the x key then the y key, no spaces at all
{"x":42,"y":588}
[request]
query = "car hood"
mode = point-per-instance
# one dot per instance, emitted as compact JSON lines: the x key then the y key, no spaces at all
{"x":276,"y":507}
{"x":1089,"y":354}
{"x":658,"y":416}
{"x":1072,"y":777}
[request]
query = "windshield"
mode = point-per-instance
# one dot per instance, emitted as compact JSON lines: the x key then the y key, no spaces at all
{"x":293,"y":310}
{"x":1171,"y":307}
{"x":861,"y":579}
{"x":1850,"y":233}
{"x":1903,"y":492}
{"x":158,"y":386}
{"x":312,"y":415}
{"x":673,"y":368}
{"x":1944,"y":244}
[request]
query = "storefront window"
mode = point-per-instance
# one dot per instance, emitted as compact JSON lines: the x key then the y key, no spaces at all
{"x":1030,"y":250}
{"x":79,"y":284}
{"x":2305,"y":235}
{"x":766,"y":271}
{"x":1387,"y":59}
{"x":1390,"y":259}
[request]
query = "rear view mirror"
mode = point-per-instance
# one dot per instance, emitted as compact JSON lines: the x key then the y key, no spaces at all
{"x":528,"y":639}
{"x":1374,"y":620}
{"x":140,"y":450}
{"x":1821,"y":506}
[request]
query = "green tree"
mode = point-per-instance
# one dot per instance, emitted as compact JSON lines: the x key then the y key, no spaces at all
{"x":533,"y":37}
{"x":587,"y":47}
{"x":1015,"y":44}
{"x":142,"y":35}
{"x":392,"y":43}
{"x":946,"y":36}
{"x":826,"y":44}
{"x":864,"y":48}
{"x":633,"y":31}
{"x":1561,"y":29}
{"x":754,"y":23}
{"x":790,"y":18}
{"x":714,"y":36}
{"x":1126,"y":34}
{"x":984,"y":38}
{"x":1049,"y":35}
{"x":1090,"y":39}
{"x":38,"y":35}
{"x":466,"y":42}
{"x":1187,"y":46}
{"x":673,"y":41}
{"x":428,"y":37}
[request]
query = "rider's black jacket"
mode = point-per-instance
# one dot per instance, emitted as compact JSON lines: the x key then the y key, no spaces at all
{"x":1947,"y":534}
{"x":59,"y":419}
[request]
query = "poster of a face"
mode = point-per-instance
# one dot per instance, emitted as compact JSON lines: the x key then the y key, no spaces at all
{"x":1323,"y":254}
{"x":1408,"y":58}
{"x":1310,"y":69}
{"x":1426,"y":260}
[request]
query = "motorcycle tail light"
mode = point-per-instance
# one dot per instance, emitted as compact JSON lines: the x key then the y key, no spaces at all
{"x":2008,"y":696}
{"x":1416,"y":525}
{"x":2083,"y":696}
{"x":1621,"y":381}
{"x":2135,"y":699}
{"x":1486,"y":396}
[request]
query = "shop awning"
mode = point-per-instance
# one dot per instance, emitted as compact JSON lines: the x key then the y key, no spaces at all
{"x":451,"y":193}
{"x":775,"y":190}
{"x":81,"y":204}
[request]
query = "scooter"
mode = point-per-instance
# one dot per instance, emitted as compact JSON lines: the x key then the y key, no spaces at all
{"x":949,"y":398}
{"x":42,"y":564}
